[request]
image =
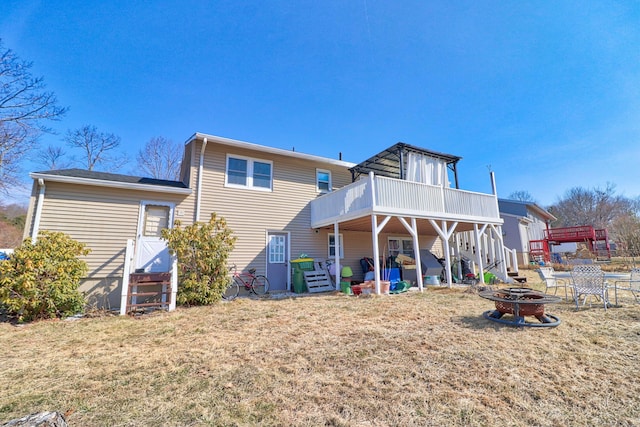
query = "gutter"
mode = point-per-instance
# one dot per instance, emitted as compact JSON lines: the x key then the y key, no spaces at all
{"x":111,"y":184}
{"x":200,"y":170}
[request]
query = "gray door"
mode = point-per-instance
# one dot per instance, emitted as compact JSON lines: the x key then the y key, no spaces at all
{"x":278,"y":260}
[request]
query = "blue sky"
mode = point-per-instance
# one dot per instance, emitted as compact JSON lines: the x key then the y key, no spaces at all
{"x":544,"y":93}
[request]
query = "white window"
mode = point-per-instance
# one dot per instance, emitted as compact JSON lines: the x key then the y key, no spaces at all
{"x":277,"y":245}
{"x":245,"y":172}
{"x":155,"y":218}
{"x":401,"y":246}
{"x":323,"y":181}
{"x":332,"y":245}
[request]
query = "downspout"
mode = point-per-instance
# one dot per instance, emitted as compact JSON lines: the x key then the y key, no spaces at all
{"x":38,"y":215}
{"x":200,"y":169}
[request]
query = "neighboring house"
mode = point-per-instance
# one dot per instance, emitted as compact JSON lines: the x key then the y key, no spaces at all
{"x":523,"y":223}
{"x":278,"y":203}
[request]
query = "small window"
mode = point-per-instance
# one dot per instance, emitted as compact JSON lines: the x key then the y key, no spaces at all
{"x":249,"y":173}
{"x":401,"y":246}
{"x":323,"y":181}
{"x":332,"y":245}
{"x":155,"y":219}
{"x":277,"y":246}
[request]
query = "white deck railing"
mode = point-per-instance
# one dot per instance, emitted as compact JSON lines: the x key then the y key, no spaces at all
{"x":402,"y":198}
{"x":348,"y":202}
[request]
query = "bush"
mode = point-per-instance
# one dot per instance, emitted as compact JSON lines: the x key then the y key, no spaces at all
{"x":202,"y":250}
{"x":41,"y":280}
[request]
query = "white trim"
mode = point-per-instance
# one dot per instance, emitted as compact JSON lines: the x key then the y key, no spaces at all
{"x":124,"y":291}
{"x":270,"y":150}
{"x":520,"y":217}
{"x":250,"y":171}
{"x":340,"y":245}
{"x":111,"y":184}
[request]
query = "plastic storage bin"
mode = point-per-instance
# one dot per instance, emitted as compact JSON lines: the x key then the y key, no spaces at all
{"x":299,"y":265}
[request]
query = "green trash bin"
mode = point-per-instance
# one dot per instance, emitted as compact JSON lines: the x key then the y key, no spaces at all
{"x":299,"y":265}
{"x":299,"y":286}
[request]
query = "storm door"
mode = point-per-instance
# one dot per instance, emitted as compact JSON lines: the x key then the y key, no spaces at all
{"x":152,"y":254}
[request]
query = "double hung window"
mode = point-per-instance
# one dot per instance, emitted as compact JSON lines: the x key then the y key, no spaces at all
{"x":323,"y":181}
{"x":332,"y":245}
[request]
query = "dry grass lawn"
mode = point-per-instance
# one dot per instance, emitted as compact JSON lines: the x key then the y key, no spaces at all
{"x":415,"y":359}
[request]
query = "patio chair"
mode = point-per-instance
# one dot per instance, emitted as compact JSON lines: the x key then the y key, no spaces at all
{"x":632,"y":285}
{"x":548,"y":276}
{"x":589,"y":280}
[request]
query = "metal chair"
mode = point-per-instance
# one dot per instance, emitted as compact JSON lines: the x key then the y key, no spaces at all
{"x":632,"y":285}
{"x":548,"y":276}
{"x":589,"y":280}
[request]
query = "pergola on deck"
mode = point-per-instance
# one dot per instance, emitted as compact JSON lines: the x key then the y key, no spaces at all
{"x":380,"y":198}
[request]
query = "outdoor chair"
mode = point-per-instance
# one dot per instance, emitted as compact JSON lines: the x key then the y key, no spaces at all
{"x":548,"y":276}
{"x":632,"y":285}
{"x":589,"y":280}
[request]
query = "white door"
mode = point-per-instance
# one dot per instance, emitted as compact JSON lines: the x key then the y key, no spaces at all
{"x":277,"y":260}
{"x":152,"y":254}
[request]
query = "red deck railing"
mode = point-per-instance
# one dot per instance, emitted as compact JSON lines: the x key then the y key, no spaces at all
{"x":571,"y":234}
{"x":597,"y":239}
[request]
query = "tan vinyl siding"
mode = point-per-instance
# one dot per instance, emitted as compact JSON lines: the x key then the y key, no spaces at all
{"x":102,"y":292}
{"x":103,"y":218}
{"x":251,"y":213}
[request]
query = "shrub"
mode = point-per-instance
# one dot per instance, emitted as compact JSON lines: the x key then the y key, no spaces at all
{"x":202,"y":250}
{"x":41,"y":280}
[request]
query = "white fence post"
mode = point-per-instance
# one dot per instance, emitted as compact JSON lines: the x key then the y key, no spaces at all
{"x":128,"y":257}
{"x":174,"y":283}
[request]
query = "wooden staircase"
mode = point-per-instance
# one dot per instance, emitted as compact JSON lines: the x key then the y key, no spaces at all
{"x":148,"y":290}
{"x":318,"y":280}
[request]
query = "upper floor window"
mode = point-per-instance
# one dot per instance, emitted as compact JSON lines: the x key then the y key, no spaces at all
{"x":249,"y":173}
{"x":323,"y":180}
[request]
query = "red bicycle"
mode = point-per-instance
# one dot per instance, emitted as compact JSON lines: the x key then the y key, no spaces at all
{"x":257,"y":284}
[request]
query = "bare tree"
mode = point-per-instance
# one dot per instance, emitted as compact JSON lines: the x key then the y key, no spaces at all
{"x":625,"y":231}
{"x":99,"y":149}
{"x":522,"y":196}
{"x":24,"y":107}
{"x":53,"y":157}
{"x":12,"y":218}
{"x":597,"y":207}
{"x":160,"y":158}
